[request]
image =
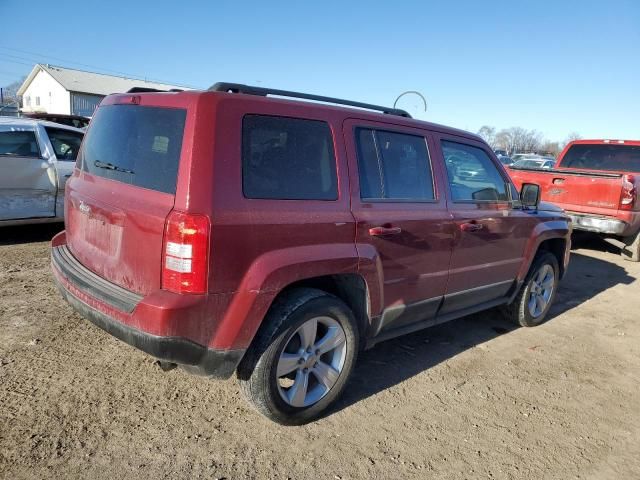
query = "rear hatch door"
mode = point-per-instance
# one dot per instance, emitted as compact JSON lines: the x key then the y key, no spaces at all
{"x":124,"y":187}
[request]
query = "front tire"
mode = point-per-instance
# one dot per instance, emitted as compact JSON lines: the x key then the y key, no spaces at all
{"x":301,"y":360}
{"x":531,"y":305}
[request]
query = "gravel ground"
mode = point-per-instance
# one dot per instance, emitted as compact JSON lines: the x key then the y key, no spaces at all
{"x":475,"y":398}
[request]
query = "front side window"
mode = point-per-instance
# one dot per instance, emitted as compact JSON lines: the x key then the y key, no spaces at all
{"x":19,"y":143}
{"x":287,"y":159}
{"x":472,"y":174}
{"x":393,"y":166}
{"x":66,"y":143}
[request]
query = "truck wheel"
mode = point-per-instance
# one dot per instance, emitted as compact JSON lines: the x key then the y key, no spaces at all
{"x":631,"y":250}
{"x":300,"y":362}
{"x":531,"y":305}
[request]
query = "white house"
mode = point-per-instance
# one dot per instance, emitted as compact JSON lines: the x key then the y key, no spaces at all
{"x":53,"y":89}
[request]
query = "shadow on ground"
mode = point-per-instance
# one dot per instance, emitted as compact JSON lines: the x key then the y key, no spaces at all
{"x":394,"y":361}
{"x":29,"y":233}
{"x":592,"y":241}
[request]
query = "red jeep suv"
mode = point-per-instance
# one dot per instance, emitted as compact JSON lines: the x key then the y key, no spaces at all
{"x":229,"y":231}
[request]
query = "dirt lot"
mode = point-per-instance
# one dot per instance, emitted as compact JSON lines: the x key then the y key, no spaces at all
{"x":475,"y":398}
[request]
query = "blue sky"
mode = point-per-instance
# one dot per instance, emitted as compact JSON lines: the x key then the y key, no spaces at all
{"x":555,"y":66}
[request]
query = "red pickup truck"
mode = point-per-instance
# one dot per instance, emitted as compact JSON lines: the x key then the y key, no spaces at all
{"x":596,"y":182}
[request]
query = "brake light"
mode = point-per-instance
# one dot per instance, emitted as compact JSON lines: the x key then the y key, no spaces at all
{"x":185,"y":264}
{"x":127,"y":100}
{"x":629,"y":192}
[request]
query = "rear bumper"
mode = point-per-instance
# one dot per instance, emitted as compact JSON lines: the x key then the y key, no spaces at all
{"x":102,"y":303}
{"x":592,"y":223}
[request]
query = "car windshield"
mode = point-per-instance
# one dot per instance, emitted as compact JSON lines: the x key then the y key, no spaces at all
{"x":606,"y":157}
{"x":528,"y":164}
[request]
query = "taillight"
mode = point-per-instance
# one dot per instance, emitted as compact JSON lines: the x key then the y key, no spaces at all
{"x":185,"y":255}
{"x":629,"y":192}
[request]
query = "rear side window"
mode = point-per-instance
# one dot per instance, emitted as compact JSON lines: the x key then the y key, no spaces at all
{"x":393,"y":166}
{"x":135,"y":145}
{"x":472,"y":174}
{"x":19,"y":143}
{"x":287,"y":159}
{"x":66,"y":143}
{"x":613,"y":158}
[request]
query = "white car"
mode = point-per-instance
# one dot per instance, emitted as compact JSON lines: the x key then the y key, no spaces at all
{"x":36,"y":158}
{"x":534,"y":162}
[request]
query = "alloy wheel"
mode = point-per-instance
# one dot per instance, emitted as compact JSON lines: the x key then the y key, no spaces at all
{"x":311,"y":361}
{"x":542,"y":285}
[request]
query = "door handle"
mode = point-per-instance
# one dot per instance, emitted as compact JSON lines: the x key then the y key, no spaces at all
{"x":471,"y":227}
{"x":68,"y":175}
{"x":382,"y":231}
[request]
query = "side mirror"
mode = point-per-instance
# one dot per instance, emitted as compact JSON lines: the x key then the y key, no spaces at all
{"x":530,"y":195}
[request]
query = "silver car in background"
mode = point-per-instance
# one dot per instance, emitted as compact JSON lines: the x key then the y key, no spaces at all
{"x":36,"y":158}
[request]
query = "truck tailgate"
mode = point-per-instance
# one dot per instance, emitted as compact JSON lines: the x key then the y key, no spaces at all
{"x":577,"y":191}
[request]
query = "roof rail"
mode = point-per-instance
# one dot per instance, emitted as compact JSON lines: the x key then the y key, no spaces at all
{"x":250,"y":90}
{"x":146,"y":89}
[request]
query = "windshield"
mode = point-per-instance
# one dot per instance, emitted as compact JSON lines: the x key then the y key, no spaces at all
{"x":528,"y":164}
{"x":135,"y":145}
{"x":613,"y":158}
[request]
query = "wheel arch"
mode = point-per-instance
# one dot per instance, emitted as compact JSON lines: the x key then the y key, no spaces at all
{"x":552,"y":236}
{"x":351,"y":288}
{"x":556,"y":246}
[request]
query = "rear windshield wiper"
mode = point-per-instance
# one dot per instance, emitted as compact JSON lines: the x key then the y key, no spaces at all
{"x":111,"y":166}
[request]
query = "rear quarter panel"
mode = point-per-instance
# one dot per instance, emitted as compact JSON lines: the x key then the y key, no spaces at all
{"x":260,"y":246}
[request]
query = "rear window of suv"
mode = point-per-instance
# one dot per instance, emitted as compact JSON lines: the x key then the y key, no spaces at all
{"x":135,"y":145}
{"x":287,"y":159}
{"x":614,"y":158}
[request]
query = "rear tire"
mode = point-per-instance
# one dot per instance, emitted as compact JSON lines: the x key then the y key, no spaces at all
{"x":531,"y":305}
{"x":631,"y":250}
{"x":302,"y":358}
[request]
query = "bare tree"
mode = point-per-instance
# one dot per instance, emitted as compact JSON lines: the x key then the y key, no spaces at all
{"x":518,"y":139}
{"x":488,"y":134}
{"x":10,"y":92}
{"x":550,"y":148}
{"x":521,"y":140}
{"x":571,"y":137}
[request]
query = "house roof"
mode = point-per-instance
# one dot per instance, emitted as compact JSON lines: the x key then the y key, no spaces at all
{"x":92,"y":83}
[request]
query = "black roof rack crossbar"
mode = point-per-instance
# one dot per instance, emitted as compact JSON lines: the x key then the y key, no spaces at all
{"x":250,"y":90}
{"x":146,"y":89}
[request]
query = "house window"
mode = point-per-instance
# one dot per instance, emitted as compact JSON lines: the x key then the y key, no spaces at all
{"x":50,"y":99}
{"x":27,"y":101}
{"x":37,"y":101}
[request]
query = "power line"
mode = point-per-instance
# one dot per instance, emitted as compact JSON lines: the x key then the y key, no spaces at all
{"x":46,"y":59}
{"x":34,"y":54}
{"x":15,"y":61}
{"x":16,"y":74}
